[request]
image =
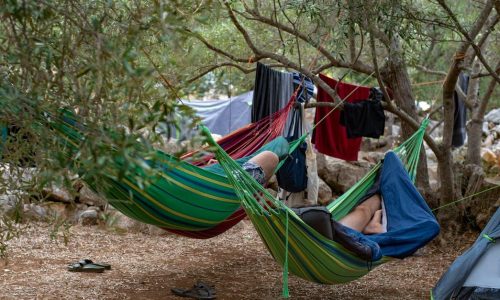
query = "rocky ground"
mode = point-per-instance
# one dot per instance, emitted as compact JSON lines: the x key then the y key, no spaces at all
{"x":147,"y":266}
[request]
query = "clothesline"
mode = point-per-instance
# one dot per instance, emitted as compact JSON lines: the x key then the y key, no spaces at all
{"x":427,"y":83}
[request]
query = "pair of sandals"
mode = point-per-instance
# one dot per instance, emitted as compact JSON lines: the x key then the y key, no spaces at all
{"x":200,"y":290}
{"x":88,"y":266}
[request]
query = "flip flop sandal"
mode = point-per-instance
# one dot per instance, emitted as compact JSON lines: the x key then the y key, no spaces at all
{"x":87,"y":261}
{"x":89,"y":268}
{"x":199,"y":291}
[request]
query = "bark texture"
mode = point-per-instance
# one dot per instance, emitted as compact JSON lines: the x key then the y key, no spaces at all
{"x":474,"y":128}
{"x":448,"y":191}
{"x":397,"y":76}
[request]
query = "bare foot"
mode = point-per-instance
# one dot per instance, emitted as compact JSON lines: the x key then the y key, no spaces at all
{"x":375,"y":224}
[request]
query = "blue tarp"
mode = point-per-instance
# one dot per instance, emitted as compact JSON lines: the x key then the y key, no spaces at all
{"x":224,"y":116}
{"x":410,"y":222}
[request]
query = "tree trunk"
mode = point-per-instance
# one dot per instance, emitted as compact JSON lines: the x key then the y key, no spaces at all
{"x":474,"y":133}
{"x":474,"y":128}
{"x":445,"y":159}
{"x":399,"y":81}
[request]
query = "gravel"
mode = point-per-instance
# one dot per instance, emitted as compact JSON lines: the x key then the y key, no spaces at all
{"x":148,"y":266}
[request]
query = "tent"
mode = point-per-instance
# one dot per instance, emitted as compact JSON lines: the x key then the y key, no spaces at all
{"x":476,"y":273}
{"x":224,"y":116}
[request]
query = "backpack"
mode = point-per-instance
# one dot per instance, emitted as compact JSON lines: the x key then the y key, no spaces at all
{"x":292,"y":176}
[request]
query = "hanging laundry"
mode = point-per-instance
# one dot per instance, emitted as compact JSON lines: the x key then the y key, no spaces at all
{"x":272,"y":91}
{"x":309,"y":196}
{"x":330,"y":137}
{"x":307,"y":90}
{"x":292,"y":176}
{"x":363,"y":119}
{"x":459,"y":132}
{"x":224,"y":116}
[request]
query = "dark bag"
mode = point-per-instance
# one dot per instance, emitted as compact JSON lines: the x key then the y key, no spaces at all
{"x":292,"y":176}
{"x":318,"y":218}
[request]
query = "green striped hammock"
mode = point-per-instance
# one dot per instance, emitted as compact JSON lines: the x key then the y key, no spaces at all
{"x":295,"y":245}
{"x":184,"y":197}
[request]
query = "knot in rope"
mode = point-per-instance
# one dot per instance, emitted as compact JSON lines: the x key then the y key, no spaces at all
{"x":459,"y":55}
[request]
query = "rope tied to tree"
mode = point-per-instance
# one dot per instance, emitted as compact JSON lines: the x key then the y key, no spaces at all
{"x":465,"y":198}
{"x":459,"y":55}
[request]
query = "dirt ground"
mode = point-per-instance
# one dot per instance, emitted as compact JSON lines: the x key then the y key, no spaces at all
{"x":148,"y":266}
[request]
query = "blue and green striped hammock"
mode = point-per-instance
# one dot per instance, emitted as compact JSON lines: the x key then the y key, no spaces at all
{"x":306,"y":253}
{"x":185,"y":199}
{"x":191,"y":200}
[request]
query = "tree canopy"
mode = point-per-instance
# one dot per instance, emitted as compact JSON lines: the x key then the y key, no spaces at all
{"x":127,"y":65}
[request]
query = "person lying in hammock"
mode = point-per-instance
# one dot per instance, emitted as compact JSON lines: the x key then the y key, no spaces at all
{"x":365,"y":218}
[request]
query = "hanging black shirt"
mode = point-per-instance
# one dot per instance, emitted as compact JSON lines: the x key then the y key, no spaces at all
{"x":363,"y":119}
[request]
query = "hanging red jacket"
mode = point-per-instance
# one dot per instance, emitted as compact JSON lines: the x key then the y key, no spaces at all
{"x":330,"y":137}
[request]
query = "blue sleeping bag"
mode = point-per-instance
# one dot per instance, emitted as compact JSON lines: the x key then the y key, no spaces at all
{"x":410,"y":222}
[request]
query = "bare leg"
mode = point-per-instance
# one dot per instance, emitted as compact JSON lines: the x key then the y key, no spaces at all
{"x":268,"y":161}
{"x":362,"y":214}
{"x":375,"y":224}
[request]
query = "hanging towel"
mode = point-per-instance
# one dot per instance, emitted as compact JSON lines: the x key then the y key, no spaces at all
{"x":272,"y":91}
{"x":459,"y":132}
{"x":364,"y":118}
{"x":330,"y":137}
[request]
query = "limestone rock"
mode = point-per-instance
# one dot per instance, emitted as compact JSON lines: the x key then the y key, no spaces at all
{"x":495,"y":170}
{"x":493,"y":116}
{"x":484,"y":206}
{"x":488,"y":156}
{"x":8,"y":202}
{"x":57,"y":209}
{"x":58,"y":194}
{"x":88,"y":217}
{"x":17,"y":174}
{"x":488,"y":141}
{"x":369,"y":144}
{"x":324,"y":193}
{"x":496,"y":131}
{"x":34,"y":211}
{"x":396,"y":130}
{"x":341,"y":175}
{"x":89,"y":197}
{"x":117,"y":220}
{"x":485,"y":128}
{"x":438,"y":131}
{"x":371,"y":157}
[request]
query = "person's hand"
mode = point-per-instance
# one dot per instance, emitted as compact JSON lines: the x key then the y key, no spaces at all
{"x":212,"y":161}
